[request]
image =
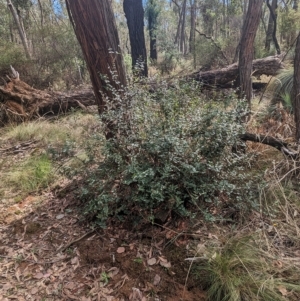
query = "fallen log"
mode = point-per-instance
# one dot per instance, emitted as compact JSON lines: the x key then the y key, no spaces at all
{"x":20,"y":102}
{"x":267,"y":66}
{"x":268,"y":140}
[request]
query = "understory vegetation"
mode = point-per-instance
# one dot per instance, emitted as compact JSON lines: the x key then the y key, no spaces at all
{"x":172,"y":155}
{"x":171,"y":151}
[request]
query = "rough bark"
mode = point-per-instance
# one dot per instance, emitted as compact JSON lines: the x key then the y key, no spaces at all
{"x":20,"y":102}
{"x":246,"y":54}
{"x":152,"y":25}
{"x":134,"y":13}
{"x":96,"y":31}
{"x":296,"y":89}
{"x":267,"y":66}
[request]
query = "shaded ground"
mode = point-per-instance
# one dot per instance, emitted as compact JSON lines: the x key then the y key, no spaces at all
{"x":48,"y":254}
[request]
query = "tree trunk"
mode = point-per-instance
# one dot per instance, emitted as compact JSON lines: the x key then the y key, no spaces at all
{"x":134,"y":13}
{"x":272,"y":27}
{"x":192,"y":39}
{"x":182,"y":31}
{"x":268,"y":66}
{"x":20,"y":28}
{"x":246,"y":54}
{"x":296,"y":89}
{"x":152,"y":24}
{"x":96,"y":31}
{"x":20,"y":102}
{"x":180,"y":37}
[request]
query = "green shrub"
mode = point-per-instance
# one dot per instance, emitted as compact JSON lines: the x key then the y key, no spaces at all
{"x":171,"y":151}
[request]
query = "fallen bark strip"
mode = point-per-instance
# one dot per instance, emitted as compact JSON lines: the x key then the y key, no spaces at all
{"x":20,"y":102}
{"x":268,"y":140}
{"x":267,"y":66}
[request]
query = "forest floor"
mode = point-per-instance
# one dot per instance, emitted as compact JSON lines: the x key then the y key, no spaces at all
{"x":49,"y":252}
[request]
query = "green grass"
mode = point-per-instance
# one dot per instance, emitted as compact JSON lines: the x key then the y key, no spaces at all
{"x":31,"y":175}
{"x":71,"y":127}
{"x":59,"y":144}
{"x":238,"y":271}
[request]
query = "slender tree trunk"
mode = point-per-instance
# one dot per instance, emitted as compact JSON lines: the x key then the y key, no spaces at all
{"x":20,"y":28}
{"x":182,"y":32}
{"x":272,"y":27}
{"x":96,"y":31}
{"x":246,"y":54}
{"x":134,"y":13}
{"x":152,"y":20}
{"x":193,"y":27}
{"x":296,"y":89}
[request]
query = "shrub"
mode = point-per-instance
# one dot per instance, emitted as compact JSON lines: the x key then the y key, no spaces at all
{"x":171,"y":151}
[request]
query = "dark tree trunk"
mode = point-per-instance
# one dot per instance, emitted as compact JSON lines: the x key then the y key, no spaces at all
{"x":246,"y":54}
{"x":96,"y":31}
{"x":192,"y":39}
{"x":134,"y":13}
{"x":152,"y":24}
{"x":180,"y":34}
{"x":296,"y":89}
{"x":272,"y":27}
{"x":295,"y":5}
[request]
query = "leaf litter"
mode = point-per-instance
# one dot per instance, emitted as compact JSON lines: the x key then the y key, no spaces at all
{"x":46,"y":254}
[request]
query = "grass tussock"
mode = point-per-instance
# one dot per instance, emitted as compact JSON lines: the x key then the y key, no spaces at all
{"x":71,"y":127}
{"x":240,"y":271}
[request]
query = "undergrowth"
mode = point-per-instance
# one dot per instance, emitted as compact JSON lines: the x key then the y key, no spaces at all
{"x":171,"y":151}
{"x":240,"y":270}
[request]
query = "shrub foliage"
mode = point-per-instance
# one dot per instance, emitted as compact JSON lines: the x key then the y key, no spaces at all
{"x":171,"y":151}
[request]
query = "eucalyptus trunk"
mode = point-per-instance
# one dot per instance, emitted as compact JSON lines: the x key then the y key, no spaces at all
{"x":296,"y":89}
{"x":246,"y":54}
{"x":96,"y":31}
{"x":134,"y":13}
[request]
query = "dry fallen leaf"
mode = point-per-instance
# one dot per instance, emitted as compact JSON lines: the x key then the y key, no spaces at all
{"x":60,"y":216}
{"x":156,"y":280}
{"x":283,"y":290}
{"x":166,"y":265}
{"x":74,"y":260}
{"x":34,"y":290}
{"x":120,"y":250}
{"x":151,"y":261}
{"x":112,"y":272}
{"x":38,"y":276}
